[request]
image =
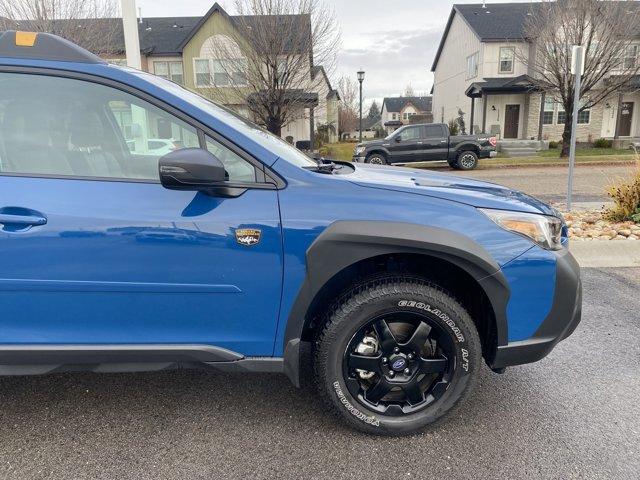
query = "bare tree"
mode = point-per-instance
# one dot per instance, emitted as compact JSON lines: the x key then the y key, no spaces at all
{"x":266,"y":58}
{"x":348,"y":108}
{"x":605,"y":28}
{"x":92,"y":24}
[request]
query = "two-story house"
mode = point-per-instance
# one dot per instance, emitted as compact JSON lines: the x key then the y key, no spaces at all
{"x":399,"y":111}
{"x":481,"y":68}
{"x":180,"y":49}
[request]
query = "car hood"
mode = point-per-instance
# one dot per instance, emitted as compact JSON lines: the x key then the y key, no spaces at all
{"x":448,"y":187}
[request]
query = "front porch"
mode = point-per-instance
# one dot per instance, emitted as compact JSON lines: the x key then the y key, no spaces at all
{"x":500,"y":107}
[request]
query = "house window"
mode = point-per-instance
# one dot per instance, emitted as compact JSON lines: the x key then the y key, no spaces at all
{"x":407,"y":115}
{"x":220,"y":73}
{"x":507,"y":57}
{"x":169,"y":70}
{"x":630,"y":57}
{"x":562,"y":116}
{"x":584,"y":116}
{"x":472,"y":65}
{"x":394,"y":116}
{"x":547,"y":114}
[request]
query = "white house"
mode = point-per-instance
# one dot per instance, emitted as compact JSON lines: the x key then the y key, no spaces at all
{"x":479,"y":69}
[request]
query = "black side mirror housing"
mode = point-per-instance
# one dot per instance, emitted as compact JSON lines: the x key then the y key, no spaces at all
{"x":398,"y":138}
{"x":191,"y":169}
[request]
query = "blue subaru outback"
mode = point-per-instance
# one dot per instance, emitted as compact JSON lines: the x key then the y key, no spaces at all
{"x":234,"y":251}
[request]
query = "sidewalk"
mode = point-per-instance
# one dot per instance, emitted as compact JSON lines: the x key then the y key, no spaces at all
{"x":600,"y":254}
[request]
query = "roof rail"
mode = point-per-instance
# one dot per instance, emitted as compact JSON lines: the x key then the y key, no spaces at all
{"x":43,"y":46}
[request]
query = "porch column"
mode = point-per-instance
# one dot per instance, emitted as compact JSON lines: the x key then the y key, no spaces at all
{"x":484,"y":112}
{"x":616,"y":135}
{"x":473,"y":108}
{"x":543,"y":99}
{"x":312,"y":130}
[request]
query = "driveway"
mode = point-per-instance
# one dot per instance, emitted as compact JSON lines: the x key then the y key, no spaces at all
{"x":573,"y":415}
{"x":550,"y":183}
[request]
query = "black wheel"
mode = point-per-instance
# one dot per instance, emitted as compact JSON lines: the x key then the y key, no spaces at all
{"x":467,"y":160}
{"x":453,"y":164}
{"x":396,"y":355}
{"x":376,"y":159}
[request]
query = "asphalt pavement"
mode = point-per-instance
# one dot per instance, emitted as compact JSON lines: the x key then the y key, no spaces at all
{"x":575,"y":414}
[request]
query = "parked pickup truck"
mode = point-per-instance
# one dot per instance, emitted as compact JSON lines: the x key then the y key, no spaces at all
{"x":425,"y":143}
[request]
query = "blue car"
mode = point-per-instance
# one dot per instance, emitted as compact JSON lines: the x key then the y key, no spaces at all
{"x":234,"y":251}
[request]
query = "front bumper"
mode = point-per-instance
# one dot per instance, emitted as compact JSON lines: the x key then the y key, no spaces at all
{"x":358,"y":159}
{"x":493,"y":154}
{"x":562,"y":320}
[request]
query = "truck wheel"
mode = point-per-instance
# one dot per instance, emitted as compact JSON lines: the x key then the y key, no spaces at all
{"x":376,"y":159}
{"x":467,"y":160}
{"x":395,"y":355}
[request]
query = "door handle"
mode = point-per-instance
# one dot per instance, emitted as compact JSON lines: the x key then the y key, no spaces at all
{"x":419,"y":143}
{"x":443,"y":141}
{"x":22,"y":220}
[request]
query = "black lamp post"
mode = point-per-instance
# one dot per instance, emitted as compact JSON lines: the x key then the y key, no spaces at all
{"x":361,"y":79}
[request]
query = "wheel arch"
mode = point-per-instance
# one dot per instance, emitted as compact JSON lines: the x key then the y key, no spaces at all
{"x":353,"y":250}
{"x":468,"y":147}
{"x":381,"y":151}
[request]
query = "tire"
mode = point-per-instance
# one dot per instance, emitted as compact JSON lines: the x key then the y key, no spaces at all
{"x":453,"y":164}
{"x":367,"y":308}
{"x":467,"y":160}
{"x":376,"y":159}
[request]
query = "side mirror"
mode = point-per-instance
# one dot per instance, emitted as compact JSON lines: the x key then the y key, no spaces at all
{"x":398,"y":138}
{"x":191,"y":169}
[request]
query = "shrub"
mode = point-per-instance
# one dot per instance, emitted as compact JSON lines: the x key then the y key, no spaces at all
{"x":626,"y":197}
{"x":603,"y":143}
{"x":553,"y":145}
{"x":453,"y":127}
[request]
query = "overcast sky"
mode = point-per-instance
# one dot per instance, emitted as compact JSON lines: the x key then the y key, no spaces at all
{"x":393,"y":41}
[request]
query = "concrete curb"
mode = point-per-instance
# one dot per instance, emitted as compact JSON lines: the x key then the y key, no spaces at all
{"x":603,"y":253}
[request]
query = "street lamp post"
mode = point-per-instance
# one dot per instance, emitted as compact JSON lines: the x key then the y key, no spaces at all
{"x":361,"y":79}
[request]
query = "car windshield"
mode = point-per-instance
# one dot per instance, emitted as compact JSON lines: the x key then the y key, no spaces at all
{"x":261,"y":136}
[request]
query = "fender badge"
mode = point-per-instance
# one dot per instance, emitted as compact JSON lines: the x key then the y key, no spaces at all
{"x":248,"y":236}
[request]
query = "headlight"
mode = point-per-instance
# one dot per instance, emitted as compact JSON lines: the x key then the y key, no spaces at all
{"x":544,"y":230}
{"x":359,"y":150}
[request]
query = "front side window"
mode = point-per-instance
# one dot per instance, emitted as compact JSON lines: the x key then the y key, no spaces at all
{"x":472,"y":66}
{"x":507,"y":57}
{"x":411,"y":133}
{"x":237,"y":168}
{"x":84,"y":130}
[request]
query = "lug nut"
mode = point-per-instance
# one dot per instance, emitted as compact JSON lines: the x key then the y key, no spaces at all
{"x":407,"y":371}
{"x":384,"y":360}
{"x":391,"y":373}
{"x":396,"y":350}
{"x":410,"y":356}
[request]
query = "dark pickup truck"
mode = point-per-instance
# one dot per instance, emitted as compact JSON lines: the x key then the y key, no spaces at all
{"x":425,"y":143}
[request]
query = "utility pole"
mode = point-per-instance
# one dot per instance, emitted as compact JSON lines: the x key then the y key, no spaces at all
{"x":577,"y":68}
{"x":131,"y":38}
{"x":361,"y":79}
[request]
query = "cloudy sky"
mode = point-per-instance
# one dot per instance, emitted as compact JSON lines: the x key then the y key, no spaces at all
{"x":393,"y":41}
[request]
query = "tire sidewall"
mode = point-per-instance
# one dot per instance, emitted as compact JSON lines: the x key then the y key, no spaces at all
{"x":376,"y":155}
{"x":466,"y":363}
{"x":462,"y":154}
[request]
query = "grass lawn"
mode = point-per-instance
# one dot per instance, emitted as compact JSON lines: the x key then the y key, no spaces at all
{"x":587,"y":152}
{"x":339,"y":151}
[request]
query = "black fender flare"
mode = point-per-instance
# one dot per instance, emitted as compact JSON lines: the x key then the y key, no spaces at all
{"x":466,"y":146}
{"x":381,"y":150}
{"x":345,"y":243}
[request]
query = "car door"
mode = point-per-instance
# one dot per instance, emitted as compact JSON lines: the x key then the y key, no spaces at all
{"x":96,"y":252}
{"x":406,"y":145}
{"x":435,"y":143}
